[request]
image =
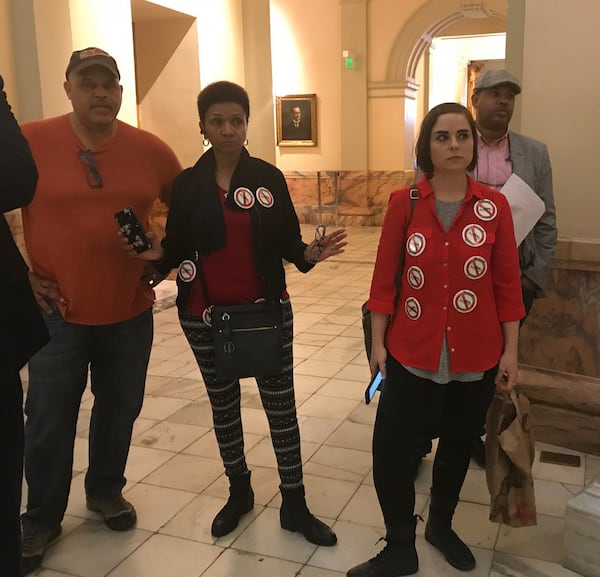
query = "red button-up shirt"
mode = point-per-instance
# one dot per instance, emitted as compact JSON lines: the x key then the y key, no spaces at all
{"x":462,"y":283}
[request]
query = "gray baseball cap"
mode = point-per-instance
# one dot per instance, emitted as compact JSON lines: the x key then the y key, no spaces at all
{"x":491,"y":78}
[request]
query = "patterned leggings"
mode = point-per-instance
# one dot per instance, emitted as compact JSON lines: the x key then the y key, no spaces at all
{"x":276,"y":393}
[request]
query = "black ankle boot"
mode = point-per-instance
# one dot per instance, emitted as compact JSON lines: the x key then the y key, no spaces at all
{"x":295,"y":516}
{"x":241,"y":500}
{"x":439,"y":533}
{"x":397,"y":558}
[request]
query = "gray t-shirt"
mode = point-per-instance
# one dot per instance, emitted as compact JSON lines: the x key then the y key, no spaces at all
{"x":446,"y":211}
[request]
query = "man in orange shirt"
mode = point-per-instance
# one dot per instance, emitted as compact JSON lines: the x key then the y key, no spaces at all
{"x":98,"y":308}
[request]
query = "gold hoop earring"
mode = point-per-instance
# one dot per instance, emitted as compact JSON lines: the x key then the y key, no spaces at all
{"x":205,"y":141}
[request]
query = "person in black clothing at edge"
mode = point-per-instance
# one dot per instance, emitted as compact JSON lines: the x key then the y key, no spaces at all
{"x":231,"y":218}
{"x":22,"y":331}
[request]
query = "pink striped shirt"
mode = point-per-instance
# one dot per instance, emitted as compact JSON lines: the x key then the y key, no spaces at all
{"x":493,"y":161}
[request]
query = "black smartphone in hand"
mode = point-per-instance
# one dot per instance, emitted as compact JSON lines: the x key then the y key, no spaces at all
{"x":132,"y":230}
{"x":375,"y":385}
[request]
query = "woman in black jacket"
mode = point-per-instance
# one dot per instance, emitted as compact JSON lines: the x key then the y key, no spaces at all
{"x":231,"y":222}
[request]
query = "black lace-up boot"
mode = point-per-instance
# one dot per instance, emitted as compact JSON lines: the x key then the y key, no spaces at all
{"x":241,"y":500}
{"x":295,"y":516}
{"x":439,"y":533}
{"x":397,"y":558}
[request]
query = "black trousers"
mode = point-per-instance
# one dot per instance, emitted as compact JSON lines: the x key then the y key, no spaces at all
{"x":11,"y":475}
{"x":430,"y":425}
{"x":404,"y":402}
{"x":276,"y":393}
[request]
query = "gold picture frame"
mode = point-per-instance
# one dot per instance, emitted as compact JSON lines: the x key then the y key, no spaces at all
{"x":296,"y":116}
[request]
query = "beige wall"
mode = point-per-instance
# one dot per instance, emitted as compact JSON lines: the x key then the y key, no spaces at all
{"x":7,"y":65}
{"x":561,"y":81}
{"x":307,"y":58}
{"x":168,"y":80}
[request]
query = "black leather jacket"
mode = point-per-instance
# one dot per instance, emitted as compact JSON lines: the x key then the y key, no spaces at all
{"x":196,"y":224}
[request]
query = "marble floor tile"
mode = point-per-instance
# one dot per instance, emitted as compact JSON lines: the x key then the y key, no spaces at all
{"x":560,"y":473}
{"x":343,"y":389}
{"x":196,"y":413}
{"x":352,"y":436}
{"x":543,"y":541}
{"x":318,"y":368}
{"x":335,"y":354}
{"x":194,"y":521}
{"x":168,"y":556}
{"x":592,"y":468}
{"x":239,"y":563}
{"x":352,"y":372}
{"x":93,"y":550}
{"x":308,"y":383}
{"x":170,"y":436}
{"x":351,"y":460}
{"x":187,"y":473}
{"x":160,"y":408}
{"x":551,"y":498}
{"x":308,"y":571}
{"x":317,"y":429}
{"x":306,"y":337}
{"x":142,"y":461}
{"x":265,"y":536}
{"x":475,"y":489}
{"x":156,"y":506}
{"x":504,"y":565}
{"x":327,"y":407}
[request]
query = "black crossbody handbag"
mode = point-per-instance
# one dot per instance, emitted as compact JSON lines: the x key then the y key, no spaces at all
{"x":248,"y":338}
{"x":366,"y":313}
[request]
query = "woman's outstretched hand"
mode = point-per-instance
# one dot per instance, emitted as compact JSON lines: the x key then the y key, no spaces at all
{"x":330,"y":245}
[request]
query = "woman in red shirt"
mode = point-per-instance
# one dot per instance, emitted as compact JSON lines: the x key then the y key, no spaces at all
{"x":452,"y":324}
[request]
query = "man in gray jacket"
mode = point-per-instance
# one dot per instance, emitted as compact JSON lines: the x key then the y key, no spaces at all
{"x":501,"y":153}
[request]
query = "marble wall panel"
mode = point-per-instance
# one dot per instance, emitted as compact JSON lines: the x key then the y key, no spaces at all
{"x":563,"y":330}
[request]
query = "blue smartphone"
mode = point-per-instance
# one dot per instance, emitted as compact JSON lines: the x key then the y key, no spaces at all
{"x":375,"y":385}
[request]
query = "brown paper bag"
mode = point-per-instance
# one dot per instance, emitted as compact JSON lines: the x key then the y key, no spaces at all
{"x":510,"y":450}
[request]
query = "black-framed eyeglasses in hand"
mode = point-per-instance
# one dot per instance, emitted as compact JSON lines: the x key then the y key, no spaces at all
{"x":93,"y":176}
{"x":316,"y":248}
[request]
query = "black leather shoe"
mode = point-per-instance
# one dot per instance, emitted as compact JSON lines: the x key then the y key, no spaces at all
{"x":449,"y":544}
{"x":35,"y":542}
{"x":399,"y":556}
{"x":478,"y":452}
{"x":314,"y":530}
{"x":228,"y":518}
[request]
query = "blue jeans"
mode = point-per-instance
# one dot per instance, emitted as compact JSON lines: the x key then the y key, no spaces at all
{"x":117,"y":356}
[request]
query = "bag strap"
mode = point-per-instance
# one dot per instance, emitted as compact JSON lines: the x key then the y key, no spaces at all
{"x":414,"y":196}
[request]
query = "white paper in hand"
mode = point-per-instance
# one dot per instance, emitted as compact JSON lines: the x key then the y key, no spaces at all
{"x":525,"y":205}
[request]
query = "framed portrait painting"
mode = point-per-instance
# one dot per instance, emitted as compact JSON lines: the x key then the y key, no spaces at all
{"x":297,"y":120}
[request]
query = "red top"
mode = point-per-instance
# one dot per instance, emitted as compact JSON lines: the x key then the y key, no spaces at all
{"x":70,"y":229}
{"x":230,"y":272}
{"x":463,"y":282}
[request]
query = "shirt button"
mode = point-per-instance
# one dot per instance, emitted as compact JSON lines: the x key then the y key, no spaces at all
{"x":445,"y":308}
{"x":445,"y":264}
{"x":452,"y":349}
{"x":448,"y":328}
{"x":446,"y":243}
{"x":445,"y":286}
